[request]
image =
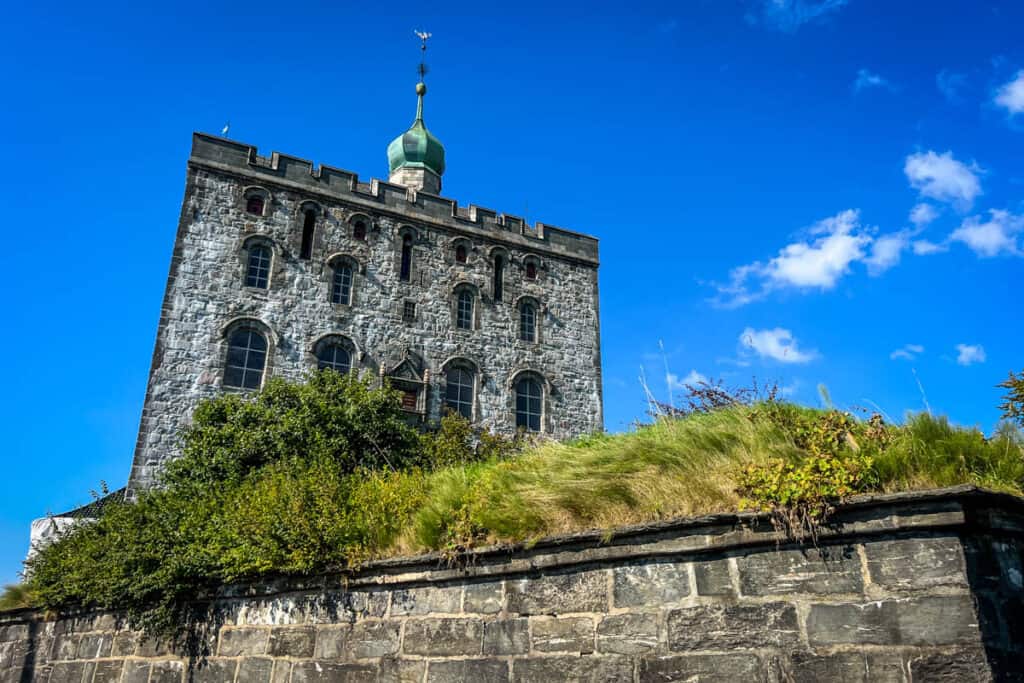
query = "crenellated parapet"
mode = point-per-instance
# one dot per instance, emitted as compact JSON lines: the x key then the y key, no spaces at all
{"x":291,"y":172}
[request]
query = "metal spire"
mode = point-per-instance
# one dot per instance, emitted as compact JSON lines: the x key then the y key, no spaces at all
{"x":421,"y":87}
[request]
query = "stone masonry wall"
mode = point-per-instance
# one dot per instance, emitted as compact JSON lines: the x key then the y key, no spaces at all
{"x":206,"y":295}
{"x":923,"y":587}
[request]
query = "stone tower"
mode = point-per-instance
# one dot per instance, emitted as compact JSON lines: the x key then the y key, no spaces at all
{"x":281,"y":268}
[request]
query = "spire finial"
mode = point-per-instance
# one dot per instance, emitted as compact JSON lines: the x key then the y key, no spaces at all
{"x":421,"y":87}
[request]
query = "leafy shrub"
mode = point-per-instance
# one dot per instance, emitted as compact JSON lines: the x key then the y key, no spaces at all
{"x":17,"y":596}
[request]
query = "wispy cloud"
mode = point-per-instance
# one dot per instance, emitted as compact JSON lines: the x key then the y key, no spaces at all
{"x":777,"y":344}
{"x":1010,"y":96}
{"x":922,"y":214}
{"x":789,"y":15}
{"x":866,"y":80}
{"x":950,"y":83}
{"x":677,"y":384}
{"x":992,"y":237}
{"x":816,"y":262}
{"x":943,"y":178}
{"x":927,"y":248}
{"x":969,"y":354}
{"x":907,"y":352}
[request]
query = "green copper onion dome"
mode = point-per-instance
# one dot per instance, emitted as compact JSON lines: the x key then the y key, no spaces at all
{"x":417,"y":147}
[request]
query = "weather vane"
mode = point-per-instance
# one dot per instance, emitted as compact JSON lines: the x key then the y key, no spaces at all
{"x":423,"y":36}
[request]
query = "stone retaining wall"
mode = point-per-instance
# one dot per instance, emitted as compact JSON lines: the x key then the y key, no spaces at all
{"x":914,"y":587}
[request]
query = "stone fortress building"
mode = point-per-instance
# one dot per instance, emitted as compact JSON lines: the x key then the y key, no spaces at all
{"x":280,"y":267}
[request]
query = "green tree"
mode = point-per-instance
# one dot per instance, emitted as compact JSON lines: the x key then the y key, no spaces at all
{"x":1013,"y":400}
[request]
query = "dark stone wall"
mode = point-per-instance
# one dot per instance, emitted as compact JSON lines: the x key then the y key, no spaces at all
{"x":912,"y":587}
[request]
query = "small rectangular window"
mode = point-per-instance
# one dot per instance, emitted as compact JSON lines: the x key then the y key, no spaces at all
{"x":409,"y":311}
{"x":409,"y":399}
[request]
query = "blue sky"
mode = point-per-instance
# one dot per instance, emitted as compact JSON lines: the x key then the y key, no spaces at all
{"x":805,"y":192}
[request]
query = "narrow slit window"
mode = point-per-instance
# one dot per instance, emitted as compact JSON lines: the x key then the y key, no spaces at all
{"x":246,"y":360}
{"x":254,"y":204}
{"x":359,"y":230}
{"x":528,"y":404}
{"x":341,"y":285}
{"x":460,"y":254}
{"x":464,"y":310}
{"x":308,"y":229}
{"x":528,"y":322}
{"x":406,"y":270}
{"x":531,"y":270}
{"x":257,"y":273}
{"x":499,"y":277}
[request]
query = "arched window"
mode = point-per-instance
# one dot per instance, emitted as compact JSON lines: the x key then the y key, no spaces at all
{"x":527,"y":322}
{"x":254,"y":204}
{"x":334,"y":356}
{"x":460,"y":253}
{"x":359,"y":230}
{"x":531,"y":270}
{"x":499,"y":276}
{"x":308,"y":228}
{"x":406,"y":271}
{"x":257,"y":273}
{"x":459,"y":391}
{"x":247,"y":359}
{"x":341,"y":283}
{"x":528,"y":404}
{"x":464,"y":310}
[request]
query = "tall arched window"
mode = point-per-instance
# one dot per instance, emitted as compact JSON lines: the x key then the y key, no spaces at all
{"x":308,"y":228}
{"x":499,"y":276}
{"x":247,"y":359}
{"x":359,"y":230}
{"x":254,"y":204}
{"x":464,"y":310}
{"x":528,"y":404}
{"x":406,"y":271}
{"x":459,"y":391}
{"x":341,"y":283}
{"x":257,"y":273}
{"x":527,"y":322}
{"x":334,"y":356}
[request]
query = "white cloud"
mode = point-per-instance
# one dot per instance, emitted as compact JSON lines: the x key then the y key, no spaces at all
{"x":941,"y":177}
{"x":693,"y":378}
{"x":865,"y":80}
{"x":926,"y":248}
{"x":907,"y":352}
{"x":1011,"y":95}
{"x":992,"y":237}
{"x":777,"y":344}
{"x":789,"y":15}
{"x":949,"y":84}
{"x":922,"y":214}
{"x":968,"y":354}
{"x":818,"y":262}
{"x":886,"y":251}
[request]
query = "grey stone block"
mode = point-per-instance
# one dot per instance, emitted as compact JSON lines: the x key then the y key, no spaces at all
{"x":462,"y":670}
{"x":855,"y":667}
{"x":282,"y":672}
{"x":936,"y":620}
{"x":108,"y":671}
{"x":214,"y":670}
{"x":65,"y":647}
{"x":67,"y":672}
{"x":292,"y":641}
{"x":95,"y":645}
{"x":373,"y":639}
{"x":235,"y":642}
{"x":628,"y":634}
{"x":506,"y":637}
{"x":135,"y":671}
{"x":255,"y":670}
{"x":720,"y":668}
{"x":563,"y":634}
{"x":713,"y":577}
{"x":916,"y":564}
{"x":332,"y":672}
{"x":483,"y":598}
{"x":559,"y":593}
{"x":443,"y":636}
{"x":426,"y":600}
{"x":124,"y":644}
{"x":592,"y":669}
{"x":167,"y":672}
{"x":397,"y":670}
{"x":13,"y":632}
{"x":332,"y":642}
{"x":833,"y":569}
{"x":959,"y":666}
{"x":723,"y":627}
{"x":655,"y":583}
